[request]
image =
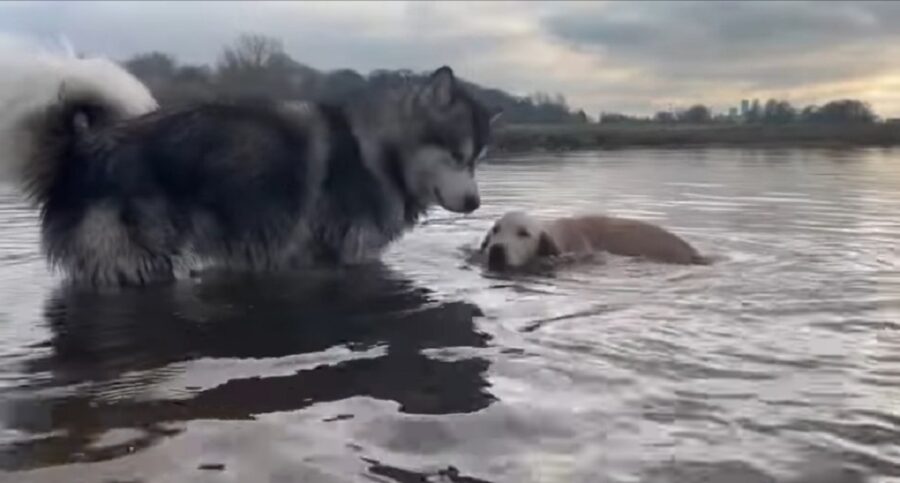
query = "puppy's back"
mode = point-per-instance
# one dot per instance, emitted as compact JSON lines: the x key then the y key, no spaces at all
{"x":635,"y":238}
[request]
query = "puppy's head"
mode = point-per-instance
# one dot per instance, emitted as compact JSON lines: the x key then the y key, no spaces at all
{"x":516,"y":240}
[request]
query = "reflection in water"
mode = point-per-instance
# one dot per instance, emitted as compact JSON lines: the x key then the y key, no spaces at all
{"x":116,"y":347}
{"x":400,"y":475}
{"x":778,"y":363}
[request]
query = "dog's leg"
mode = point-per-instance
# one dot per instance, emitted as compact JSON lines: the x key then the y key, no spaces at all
{"x":104,"y":249}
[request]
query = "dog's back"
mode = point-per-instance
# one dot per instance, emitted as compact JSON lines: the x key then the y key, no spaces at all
{"x":224,"y":181}
{"x":627,"y":237}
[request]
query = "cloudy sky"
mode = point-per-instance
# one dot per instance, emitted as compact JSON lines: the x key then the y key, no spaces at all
{"x":635,"y":57}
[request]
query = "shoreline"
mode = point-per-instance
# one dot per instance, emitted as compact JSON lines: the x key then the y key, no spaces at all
{"x":555,"y":137}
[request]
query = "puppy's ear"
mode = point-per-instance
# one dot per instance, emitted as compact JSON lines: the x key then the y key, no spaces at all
{"x":546,"y":246}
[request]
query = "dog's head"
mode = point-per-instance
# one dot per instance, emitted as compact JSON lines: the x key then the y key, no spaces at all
{"x":516,"y":240}
{"x":453,"y":131}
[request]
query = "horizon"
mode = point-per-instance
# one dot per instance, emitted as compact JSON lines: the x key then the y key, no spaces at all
{"x":596,"y":54}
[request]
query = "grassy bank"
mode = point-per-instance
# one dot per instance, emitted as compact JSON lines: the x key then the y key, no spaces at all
{"x":512,"y":138}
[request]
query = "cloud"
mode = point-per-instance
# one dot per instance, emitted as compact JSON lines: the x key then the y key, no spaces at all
{"x":614,"y":56}
{"x":707,"y":50}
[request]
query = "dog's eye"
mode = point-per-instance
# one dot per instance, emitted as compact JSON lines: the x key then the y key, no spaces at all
{"x":495,"y":229}
{"x":523,"y":233}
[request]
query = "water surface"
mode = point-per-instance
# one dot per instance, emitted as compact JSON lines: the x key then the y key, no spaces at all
{"x":780,"y":362}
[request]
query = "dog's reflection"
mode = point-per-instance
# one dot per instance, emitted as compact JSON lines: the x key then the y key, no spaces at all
{"x":109,"y":351}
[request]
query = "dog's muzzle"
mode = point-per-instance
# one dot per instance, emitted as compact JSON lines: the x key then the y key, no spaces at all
{"x":471,"y":203}
{"x":497,"y":258}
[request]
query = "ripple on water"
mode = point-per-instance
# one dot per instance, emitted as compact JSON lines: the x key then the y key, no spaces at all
{"x":776,"y":363}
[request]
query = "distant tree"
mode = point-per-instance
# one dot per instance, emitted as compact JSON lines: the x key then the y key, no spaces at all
{"x":581,"y":117}
{"x":151,"y":66}
{"x":541,"y":98}
{"x":250,"y":52}
{"x":614,"y":118}
{"x":695,"y":114}
{"x":544,"y":108}
{"x":193,"y":73}
{"x":754,"y":113}
{"x":257,"y":66}
{"x":169,"y":82}
{"x":778,"y":112}
{"x":560,"y":100}
{"x":808,"y":114}
{"x":664,"y":117}
{"x":845,"y":111}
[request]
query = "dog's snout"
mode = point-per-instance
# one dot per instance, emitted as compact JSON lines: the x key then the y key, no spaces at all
{"x":471,"y":203}
{"x":497,"y":258}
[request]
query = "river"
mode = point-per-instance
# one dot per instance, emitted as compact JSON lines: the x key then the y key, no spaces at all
{"x":779,"y":362}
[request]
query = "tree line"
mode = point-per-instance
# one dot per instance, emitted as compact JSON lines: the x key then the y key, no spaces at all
{"x":774,"y":111}
{"x":257,"y":66}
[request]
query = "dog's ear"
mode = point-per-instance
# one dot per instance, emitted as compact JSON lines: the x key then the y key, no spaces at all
{"x":546,"y":246}
{"x":438,"y":92}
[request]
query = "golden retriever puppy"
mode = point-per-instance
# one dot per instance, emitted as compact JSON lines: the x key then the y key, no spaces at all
{"x":518,"y":239}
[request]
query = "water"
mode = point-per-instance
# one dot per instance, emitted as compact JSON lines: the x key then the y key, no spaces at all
{"x":781,"y":362}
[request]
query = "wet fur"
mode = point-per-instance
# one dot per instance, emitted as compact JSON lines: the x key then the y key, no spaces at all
{"x":132,"y":200}
{"x":518,"y":240}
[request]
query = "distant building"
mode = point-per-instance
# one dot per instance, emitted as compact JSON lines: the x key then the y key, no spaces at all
{"x":745,"y":106}
{"x":732,"y":112}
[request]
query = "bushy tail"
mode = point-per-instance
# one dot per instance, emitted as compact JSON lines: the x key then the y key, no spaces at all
{"x":47,"y":99}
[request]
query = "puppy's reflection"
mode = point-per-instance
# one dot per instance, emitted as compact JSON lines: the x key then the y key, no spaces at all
{"x":125,"y":343}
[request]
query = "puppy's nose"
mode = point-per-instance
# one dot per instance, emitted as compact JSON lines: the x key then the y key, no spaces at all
{"x":471,"y":203}
{"x":497,"y":258}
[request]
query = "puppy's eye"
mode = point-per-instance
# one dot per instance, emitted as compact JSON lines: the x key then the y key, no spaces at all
{"x":523,"y":233}
{"x":495,"y":229}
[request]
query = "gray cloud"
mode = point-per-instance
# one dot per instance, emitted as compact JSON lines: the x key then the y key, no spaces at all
{"x":761,"y":45}
{"x":710,"y":31}
{"x":634,"y":56}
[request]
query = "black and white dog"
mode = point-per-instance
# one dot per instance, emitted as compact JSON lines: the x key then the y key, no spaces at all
{"x":131,"y":194}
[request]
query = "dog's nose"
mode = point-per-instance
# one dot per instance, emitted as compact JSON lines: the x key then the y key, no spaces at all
{"x":497,"y":258}
{"x":471,"y":203}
